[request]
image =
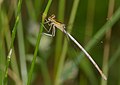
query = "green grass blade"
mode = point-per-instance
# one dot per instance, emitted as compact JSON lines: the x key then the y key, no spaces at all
{"x":108,"y":25}
{"x":106,"y":53}
{"x":14,"y":64}
{"x":22,"y":52}
{"x":59,"y":35}
{"x":38,"y":41}
{"x":2,"y":48}
{"x":13,"y":37}
{"x":65,"y":45}
{"x":89,"y":20}
{"x":7,"y":35}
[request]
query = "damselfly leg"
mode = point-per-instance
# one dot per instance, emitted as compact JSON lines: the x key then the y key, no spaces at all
{"x":52,"y":29}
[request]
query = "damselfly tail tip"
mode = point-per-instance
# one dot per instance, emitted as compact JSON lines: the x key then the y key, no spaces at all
{"x":104,"y":77}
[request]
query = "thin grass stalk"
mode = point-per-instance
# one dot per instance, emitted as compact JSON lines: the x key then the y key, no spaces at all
{"x":65,"y":45}
{"x":59,"y":35}
{"x":108,"y":25}
{"x":38,"y":41}
{"x":107,"y":43}
{"x":87,"y":36}
{"x":2,"y":47}
{"x":22,"y":52}
{"x":7,"y":35}
{"x":33,"y":17}
{"x":6,"y":19}
{"x":2,"y":58}
{"x":14,"y":64}
{"x":12,"y":42}
{"x":89,"y":20}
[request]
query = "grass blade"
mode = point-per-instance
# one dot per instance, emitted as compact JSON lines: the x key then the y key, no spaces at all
{"x":22,"y":52}
{"x":107,"y":43}
{"x":38,"y":41}
{"x":65,"y":45}
{"x":101,"y":32}
{"x":13,"y":37}
{"x":59,"y":35}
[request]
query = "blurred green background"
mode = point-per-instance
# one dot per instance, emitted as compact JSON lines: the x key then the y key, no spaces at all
{"x":60,"y":62}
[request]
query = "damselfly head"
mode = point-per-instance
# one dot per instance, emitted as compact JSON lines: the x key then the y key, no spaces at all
{"x":51,"y":17}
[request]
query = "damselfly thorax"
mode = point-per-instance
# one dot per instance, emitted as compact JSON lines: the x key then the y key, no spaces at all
{"x":54,"y":24}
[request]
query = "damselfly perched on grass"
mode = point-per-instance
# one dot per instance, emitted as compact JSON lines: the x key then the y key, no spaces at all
{"x":55,"y":24}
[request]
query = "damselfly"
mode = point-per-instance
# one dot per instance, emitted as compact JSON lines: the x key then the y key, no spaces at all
{"x":55,"y":24}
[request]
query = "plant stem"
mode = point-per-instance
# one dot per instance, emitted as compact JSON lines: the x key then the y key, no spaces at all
{"x":107,"y":43}
{"x":59,"y":36}
{"x":108,"y":25}
{"x":13,"y":38}
{"x":65,"y":45}
{"x":89,"y":20}
{"x":38,"y":41}
{"x":22,"y":52}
